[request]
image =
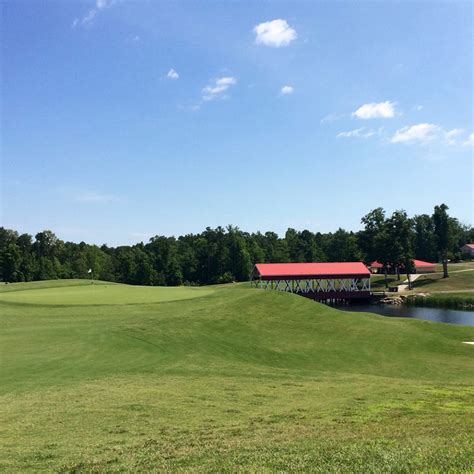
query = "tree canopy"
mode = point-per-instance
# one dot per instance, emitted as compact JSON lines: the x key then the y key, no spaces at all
{"x":227,"y":254}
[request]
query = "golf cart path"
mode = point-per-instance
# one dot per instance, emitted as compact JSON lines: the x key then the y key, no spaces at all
{"x":404,"y":285}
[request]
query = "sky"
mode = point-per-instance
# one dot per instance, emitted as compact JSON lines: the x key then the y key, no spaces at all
{"x":127,"y":119}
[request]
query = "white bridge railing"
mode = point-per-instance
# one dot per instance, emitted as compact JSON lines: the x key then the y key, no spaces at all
{"x":323,"y":285}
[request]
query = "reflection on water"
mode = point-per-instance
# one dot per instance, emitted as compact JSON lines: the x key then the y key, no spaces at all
{"x":431,"y":314}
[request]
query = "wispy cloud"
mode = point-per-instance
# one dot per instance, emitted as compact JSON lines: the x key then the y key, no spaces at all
{"x":357,"y":133}
{"x":451,"y":135}
{"x":423,"y":133}
{"x":470,"y":140}
{"x":274,"y":33}
{"x":375,"y":110}
{"x":218,"y":88}
{"x":331,"y":118}
{"x":287,"y":90}
{"x":172,"y":74}
{"x":420,"y":133}
{"x":89,"y":17}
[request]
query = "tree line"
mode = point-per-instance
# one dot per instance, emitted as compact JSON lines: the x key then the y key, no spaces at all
{"x":228,"y":254}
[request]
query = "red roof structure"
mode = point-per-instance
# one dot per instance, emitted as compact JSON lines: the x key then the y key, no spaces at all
{"x":471,"y":246}
{"x":273,"y":271}
{"x":376,"y":264}
{"x":421,"y":263}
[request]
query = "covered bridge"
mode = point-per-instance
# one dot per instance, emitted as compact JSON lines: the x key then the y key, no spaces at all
{"x":319,"y":281}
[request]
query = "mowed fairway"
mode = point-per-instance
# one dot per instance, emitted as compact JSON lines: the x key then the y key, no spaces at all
{"x":114,"y":378}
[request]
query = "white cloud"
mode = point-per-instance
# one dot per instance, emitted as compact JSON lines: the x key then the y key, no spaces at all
{"x":217,"y":88}
{"x":428,"y":132}
{"x":92,"y":13}
{"x":86,"y":20}
{"x":172,"y":74}
{"x":450,"y":135}
{"x":469,"y":141}
{"x":286,"y":90}
{"x":375,"y":110}
{"x":274,"y":33}
{"x":331,"y":118}
{"x":422,"y":133}
{"x":357,"y":133}
{"x":101,"y":4}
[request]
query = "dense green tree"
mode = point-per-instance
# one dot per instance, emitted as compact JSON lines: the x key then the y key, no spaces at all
{"x":373,"y":222}
{"x":239,"y":263}
{"x":228,"y":254}
{"x":425,"y":240}
{"x":443,"y":230}
{"x":342,"y":247}
{"x":11,"y":260}
{"x":400,"y":240}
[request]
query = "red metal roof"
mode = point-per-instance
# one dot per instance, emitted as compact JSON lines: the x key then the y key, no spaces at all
{"x":341,"y":269}
{"x":471,"y":246}
{"x":376,"y":264}
{"x":421,"y":263}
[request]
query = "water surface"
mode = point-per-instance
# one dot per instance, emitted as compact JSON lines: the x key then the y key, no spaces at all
{"x":431,"y":314}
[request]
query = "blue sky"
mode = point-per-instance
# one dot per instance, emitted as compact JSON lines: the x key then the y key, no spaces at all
{"x":125,"y":119}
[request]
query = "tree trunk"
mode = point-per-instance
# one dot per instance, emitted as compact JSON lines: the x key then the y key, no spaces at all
{"x":408,"y":278}
{"x":445,"y":268}
{"x":386,"y":280}
{"x":398,"y":272}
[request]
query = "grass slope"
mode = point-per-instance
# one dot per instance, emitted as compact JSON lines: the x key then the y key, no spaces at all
{"x":461,"y":279}
{"x":232,"y":379}
{"x":457,"y":281}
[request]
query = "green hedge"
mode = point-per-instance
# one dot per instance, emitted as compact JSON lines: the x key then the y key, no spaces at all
{"x":442,"y":301}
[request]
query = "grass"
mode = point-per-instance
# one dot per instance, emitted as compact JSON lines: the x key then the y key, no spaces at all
{"x":233,"y":379}
{"x":99,"y":293}
{"x":434,"y":282}
{"x":377,"y":281}
{"x":443,"y":300}
{"x":461,"y":280}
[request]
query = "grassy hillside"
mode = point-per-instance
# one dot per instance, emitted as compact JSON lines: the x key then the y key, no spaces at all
{"x":461,"y":279}
{"x":457,"y":281}
{"x":226,"y":378}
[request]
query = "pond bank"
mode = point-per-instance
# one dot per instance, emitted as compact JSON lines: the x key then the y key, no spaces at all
{"x":442,"y":315}
{"x":462,"y":301}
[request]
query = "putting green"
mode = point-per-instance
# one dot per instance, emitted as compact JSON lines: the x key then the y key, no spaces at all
{"x":102,"y":294}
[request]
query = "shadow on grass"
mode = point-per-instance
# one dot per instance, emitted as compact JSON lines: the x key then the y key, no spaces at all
{"x":392,"y":281}
{"x":422,"y":282}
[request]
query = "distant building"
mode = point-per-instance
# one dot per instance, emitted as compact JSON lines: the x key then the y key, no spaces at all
{"x":424,"y":267}
{"x":419,"y":267}
{"x":468,"y":250}
{"x":375,"y":267}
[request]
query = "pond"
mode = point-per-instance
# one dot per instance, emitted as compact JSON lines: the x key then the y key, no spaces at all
{"x":431,"y":314}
